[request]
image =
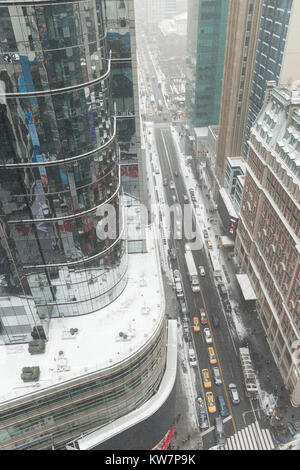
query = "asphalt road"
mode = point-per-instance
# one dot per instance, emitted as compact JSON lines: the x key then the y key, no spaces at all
{"x":208,"y":298}
{"x":224,"y":343}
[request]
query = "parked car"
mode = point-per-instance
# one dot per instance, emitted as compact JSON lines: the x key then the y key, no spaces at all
{"x":211,"y":406}
{"x":202,"y":270}
{"x":206,"y":378}
{"x":176,"y":173}
{"x":186,"y":334}
{"x":219,"y":431}
{"x":203,"y":419}
{"x":222,"y":405}
{"x":192,"y":358}
{"x":207,"y":335}
{"x":208,"y":244}
{"x":215,"y":320}
{"x":227,"y":305}
{"x":179,"y":291}
{"x":196,"y":324}
{"x":222,"y":290}
{"x":234,"y":394}
{"x":205,"y":233}
{"x":176,"y":275}
{"x":185,"y":198}
{"x":191,"y":191}
{"x":203,"y":317}
{"x":217,"y":375}
{"x":183,"y":307}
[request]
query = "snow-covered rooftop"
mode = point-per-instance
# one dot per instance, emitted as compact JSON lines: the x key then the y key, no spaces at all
{"x":137,"y":312}
{"x":246,"y":287}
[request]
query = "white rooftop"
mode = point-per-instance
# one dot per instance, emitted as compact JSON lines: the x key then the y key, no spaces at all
{"x":138,"y":311}
{"x":246,"y":287}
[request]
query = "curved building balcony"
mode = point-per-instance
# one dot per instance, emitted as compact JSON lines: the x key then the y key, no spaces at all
{"x":58,"y":164}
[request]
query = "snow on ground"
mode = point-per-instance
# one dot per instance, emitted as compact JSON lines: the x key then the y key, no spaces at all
{"x":188,"y":381}
{"x":267,"y":400}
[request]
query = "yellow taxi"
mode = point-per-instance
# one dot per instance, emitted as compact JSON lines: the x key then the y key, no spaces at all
{"x":206,"y":378}
{"x":208,"y":244}
{"x":211,"y":406}
{"x":196,"y":324}
{"x":211,"y":355}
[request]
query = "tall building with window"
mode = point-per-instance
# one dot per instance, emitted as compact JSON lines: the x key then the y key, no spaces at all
{"x":277,"y":54}
{"x":76,"y":355}
{"x":242,"y":31}
{"x":206,"y":37}
{"x":267,"y":244}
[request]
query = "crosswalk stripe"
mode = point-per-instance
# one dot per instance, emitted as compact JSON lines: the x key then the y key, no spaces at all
{"x":265,"y":439}
{"x":229,"y":444}
{"x":259,"y":434}
{"x":233,"y":443}
{"x":269,"y":437}
{"x":237,"y":441}
{"x":240,"y":436}
{"x":252,"y":438}
{"x":246,"y":436}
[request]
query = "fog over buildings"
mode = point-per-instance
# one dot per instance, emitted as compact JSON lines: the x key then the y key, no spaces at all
{"x":149,"y":225}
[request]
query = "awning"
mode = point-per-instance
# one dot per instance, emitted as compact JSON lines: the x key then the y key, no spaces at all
{"x":246,"y":287}
{"x":227,"y":242}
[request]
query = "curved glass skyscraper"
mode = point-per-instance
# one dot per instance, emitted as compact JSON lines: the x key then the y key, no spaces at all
{"x":58,"y":159}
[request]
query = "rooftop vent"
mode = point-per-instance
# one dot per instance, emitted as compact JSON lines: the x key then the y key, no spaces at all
{"x":30,"y":374}
{"x":37,"y":346}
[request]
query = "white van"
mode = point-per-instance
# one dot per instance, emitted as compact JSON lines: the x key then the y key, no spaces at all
{"x":192,"y":358}
{"x":179,"y":291}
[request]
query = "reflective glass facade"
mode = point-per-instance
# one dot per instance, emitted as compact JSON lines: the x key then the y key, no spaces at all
{"x":123,"y":82}
{"x":274,"y":23}
{"x":207,"y":26}
{"x":58,"y":158}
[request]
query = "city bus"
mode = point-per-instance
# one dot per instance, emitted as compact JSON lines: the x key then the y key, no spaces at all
{"x":249,"y":376}
{"x":192,"y":271}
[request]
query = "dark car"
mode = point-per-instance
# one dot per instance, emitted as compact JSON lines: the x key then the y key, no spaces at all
{"x":227,"y":306}
{"x":173,"y":253}
{"x":222,"y":406}
{"x":216,"y":320}
{"x":203,"y":420}
{"x":222,"y":290}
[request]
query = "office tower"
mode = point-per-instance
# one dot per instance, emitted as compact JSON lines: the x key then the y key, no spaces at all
{"x":156,"y":11}
{"x":277,"y":54}
{"x":267,"y":244}
{"x":77,"y":358}
{"x":242,"y":31}
{"x":206,"y":37}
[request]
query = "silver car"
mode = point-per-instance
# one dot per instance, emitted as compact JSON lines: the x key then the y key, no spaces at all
{"x":234,"y":394}
{"x":217,"y":375}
